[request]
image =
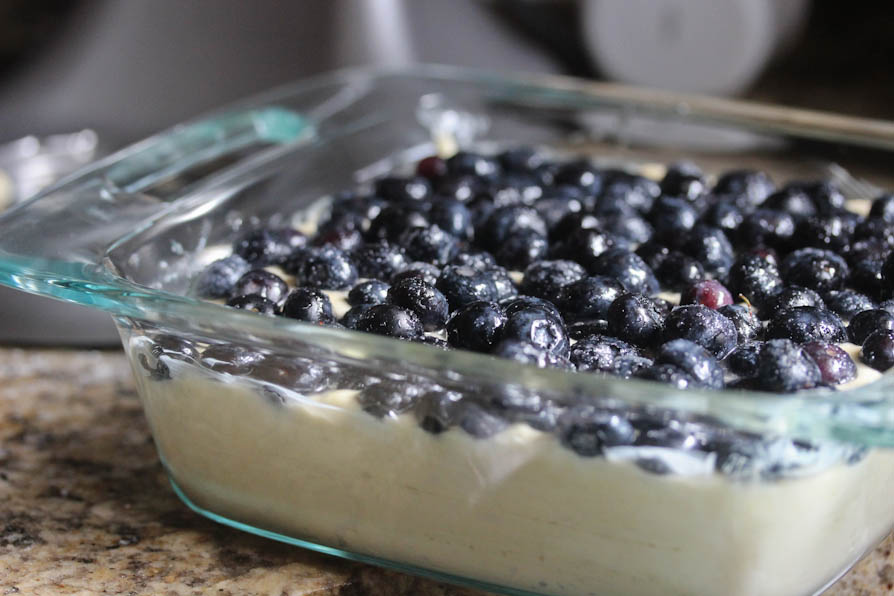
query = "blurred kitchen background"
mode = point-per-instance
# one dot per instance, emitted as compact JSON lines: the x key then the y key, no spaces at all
{"x":126,"y":69}
{"x":98,"y":74}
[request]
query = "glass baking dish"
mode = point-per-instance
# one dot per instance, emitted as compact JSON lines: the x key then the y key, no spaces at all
{"x":257,"y":419}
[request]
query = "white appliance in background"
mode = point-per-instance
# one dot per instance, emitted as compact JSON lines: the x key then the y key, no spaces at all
{"x":128,"y":69}
{"x":696,"y":46}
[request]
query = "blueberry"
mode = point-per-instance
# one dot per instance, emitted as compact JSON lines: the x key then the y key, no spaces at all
{"x":431,"y":167}
{"x":866,"y":249}
{"x":218,"y":278}
{"x":686,"y":438}
{"x":750,"y":187}
{"x":438,"y":410}
{"x":527,"y":353}
{"x":430,"y":245}
{"x":672,"y":218}
{"x":436,"y":342}
{"x":628,"y":229}
{"x":867,"y":322}
{"x":517,"y":303}
{"x":653,"y":253}
{"x":589,"y":297}
{"x":867,"y":276}
{"x":743,"y":361}
{"x":887,"y":272}
{"x":503,"y":283}
{"x":826,"y":197}
{"x":766,"y":227}
{"x":546,"y":278}
{"x":579,"y":173}
{"x":268,"y":246}
{"x":835,"y":365}
{"x":878,"y":350}
{"x":627,"y":367}
{"x":308,"y":304}
{"x":479,"y":422}
{"x":600,"y":353}
{"x":628,"y":268}
{"x":230,"y":359}
{"x":814,"y":268}
{"x":694,"y":360}
{"x":466,"y":163}
{"x":388,"y":398}
{"x":783,"y":367}
{"x":323,"y":267}
{"x":710,"y":247}
{"x":261,"y":283}
{"x":400,"y":189}
{"x":875,"y":230}
{"x":521,"y":159}
{"x":887,"y":305}
{"x":538,"y":327}
{"x":296,"y":374}
{"x":748,"y":325}
{"x":669,"y":374}
{"x":174,"y":347}
{"x":553,"y":208}
{"x":379,"y":260}
{"x":477,"y":326}
{"x":391,"y":321}
{"x":512,"y":189}
{"x":521,"y":249}
{"x":368,"y":292}
{"x":588,"y":431}
{"x":507,"y":221}
{"x":709,"y":292}
{"x":635,"y":319}
{"x":572,"y":223}
{"x":461,"y":187}
{"x":755,"y":278}
{"x":344,"y":234}
{"x":611,"y":204}
{"x":704,"y":326}
{"x":848,"y":303}
{"x":425,"y":271}
{"x":833,"y":232}
{"x":453,"y":217}
{"x":664,"y":307}
{"x":362,"y":209}
{"x":350,"y":318}
{"x":802,"y":324}
{"x":415,"y":295}
{"x":792,"y":200}
{"x":791,"y":297}
{"x":725,"y":215}
{"x":394,"y":220}
{"x":684,"y":181}
{"x":637,"y":191}
{"x":584,"y":246}
{"x":678,"y":271}
{"x":883,"y":207}
{"x":254,"y":303}
{"x":480,"y":260}
{"x":464,"y":285}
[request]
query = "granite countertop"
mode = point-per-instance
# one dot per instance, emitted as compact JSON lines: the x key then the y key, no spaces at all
{"x":86,"y":507}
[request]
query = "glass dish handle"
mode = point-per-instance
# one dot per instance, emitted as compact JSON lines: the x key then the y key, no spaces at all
{"x":63,"y":232}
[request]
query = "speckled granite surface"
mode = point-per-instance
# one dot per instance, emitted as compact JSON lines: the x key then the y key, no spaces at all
{"x":85,"y":507}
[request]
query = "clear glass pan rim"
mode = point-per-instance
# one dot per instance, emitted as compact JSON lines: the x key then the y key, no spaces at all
{"x":862,"y":415}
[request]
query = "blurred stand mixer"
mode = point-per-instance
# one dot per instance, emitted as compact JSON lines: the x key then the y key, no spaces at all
{"x":128,"y":69}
